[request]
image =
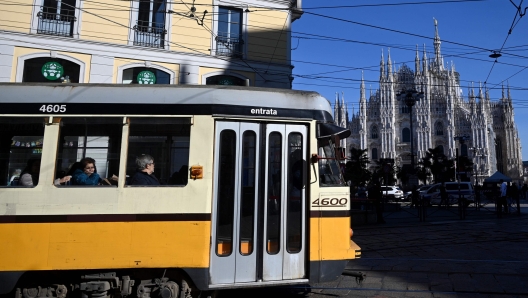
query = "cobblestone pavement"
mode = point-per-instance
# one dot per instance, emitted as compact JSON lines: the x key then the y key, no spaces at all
{"x":479,"y":257}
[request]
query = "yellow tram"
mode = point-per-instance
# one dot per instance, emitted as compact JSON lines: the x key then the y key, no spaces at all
{"x":250,"y":190}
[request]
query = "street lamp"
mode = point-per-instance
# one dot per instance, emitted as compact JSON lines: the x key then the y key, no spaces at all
{"x":410,"y":97}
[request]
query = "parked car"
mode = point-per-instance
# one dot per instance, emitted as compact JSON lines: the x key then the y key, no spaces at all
{"x":431,"y":196}
{"x":391,"y":193}
{"x":408,"y":194}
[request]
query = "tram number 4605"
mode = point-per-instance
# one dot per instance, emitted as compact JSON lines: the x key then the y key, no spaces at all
{"x":330,"y":202}
{"x":53,"y":109}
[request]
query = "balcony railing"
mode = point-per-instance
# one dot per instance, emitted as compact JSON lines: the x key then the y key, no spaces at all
{"x":52,"y":23}
{"x":147,"y":34}
{"x":231,"y":47}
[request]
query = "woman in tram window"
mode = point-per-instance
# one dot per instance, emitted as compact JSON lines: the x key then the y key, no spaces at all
{"x":87,"y":174}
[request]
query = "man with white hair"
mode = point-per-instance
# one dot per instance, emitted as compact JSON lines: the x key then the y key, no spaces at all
{"x":145,"y":169}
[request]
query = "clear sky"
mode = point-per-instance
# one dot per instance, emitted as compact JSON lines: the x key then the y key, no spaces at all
{"x":336,"y":40}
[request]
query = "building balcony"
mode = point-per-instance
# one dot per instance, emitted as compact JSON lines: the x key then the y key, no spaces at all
{"x":52,"y":23}
{"x":230,"y":47}
{"x":147,"y":34}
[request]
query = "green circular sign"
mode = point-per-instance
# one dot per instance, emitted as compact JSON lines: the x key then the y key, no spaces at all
{"x":52,"y":71}
{"x":146,"y":77}
{"x":225,"y":81}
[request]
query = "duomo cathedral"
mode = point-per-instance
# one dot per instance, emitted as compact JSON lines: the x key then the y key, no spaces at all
{"x":382,"y":124}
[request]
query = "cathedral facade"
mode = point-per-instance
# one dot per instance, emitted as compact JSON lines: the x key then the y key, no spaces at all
{"x":383,"y":124}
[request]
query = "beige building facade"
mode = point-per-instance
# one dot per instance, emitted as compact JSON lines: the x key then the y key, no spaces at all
{"x":148,"y":42}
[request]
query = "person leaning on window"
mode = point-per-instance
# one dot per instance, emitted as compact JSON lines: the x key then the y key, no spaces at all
{"x":87,"y":174}
{"x":30,"y":175}
{"x":145,"y":168}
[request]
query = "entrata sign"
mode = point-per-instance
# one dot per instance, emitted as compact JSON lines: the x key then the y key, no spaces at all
{"x":146,"y":77}
{"x":52,"y":71}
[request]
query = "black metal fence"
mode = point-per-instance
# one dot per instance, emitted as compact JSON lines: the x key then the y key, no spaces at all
{"x":228,"y":46}
{"x":149,"y":34}
{"x":51,"y":22}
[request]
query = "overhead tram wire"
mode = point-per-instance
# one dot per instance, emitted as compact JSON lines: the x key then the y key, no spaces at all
{"x":171,"y":42}
{"x":405,"y":3}
{"x":174,"y":43}
{"x":343,"y":6}
{"x":295,"y":75}
{"x":517,"y":13}
{"x":393,"y":4}
{"x":405,"y":33}
{"x":278,"y":40}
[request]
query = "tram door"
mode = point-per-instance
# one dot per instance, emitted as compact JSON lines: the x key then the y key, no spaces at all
{"x":258,"y":223}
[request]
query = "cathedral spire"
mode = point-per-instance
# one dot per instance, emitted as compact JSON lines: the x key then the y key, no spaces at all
{"x":336,"y":108}
{"x":424,"y":60}
{"x":417,"y":62}
{"x":509,"y":94}
{"x":382,"y":66}
{"x":438,"y":56}
{"x":502,"y":90}
{"x":389,"y":64}
{"x":480,"y":95}
{"x":344,"y":111}
{"x":362,"y":89}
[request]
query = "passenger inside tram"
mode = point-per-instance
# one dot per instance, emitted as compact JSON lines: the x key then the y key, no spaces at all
{"x":88,"y":174}
{"x":145,"y":169}
{"x":30,"y":174}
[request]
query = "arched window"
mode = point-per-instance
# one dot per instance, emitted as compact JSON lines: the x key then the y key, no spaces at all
{"x":404,"y":109}
{"x":50,"y":70}
{"x":225,"y":80}
{"x":374,"y":153}
{"x":441,"y":149}
{"x":439,"y":129}
{"x":374,"y":132}
{"x":406,"y":135}
{"x":145,"y":75}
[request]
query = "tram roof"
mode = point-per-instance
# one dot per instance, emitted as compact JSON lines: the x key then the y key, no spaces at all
{"x":46,"y":93}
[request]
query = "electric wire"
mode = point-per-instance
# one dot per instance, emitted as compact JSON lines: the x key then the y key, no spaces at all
{"x":506,"y":39}
{"x":128,"y":27}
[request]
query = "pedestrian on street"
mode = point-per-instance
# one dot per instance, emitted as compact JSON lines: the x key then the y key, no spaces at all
{"x":503,"y":196}
{"x":414,"y":197}
{"x":443,"y":196}
{"x":374,"y":194}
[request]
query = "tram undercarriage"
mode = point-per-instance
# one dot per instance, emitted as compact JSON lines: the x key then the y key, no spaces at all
{"x":126,"y":283}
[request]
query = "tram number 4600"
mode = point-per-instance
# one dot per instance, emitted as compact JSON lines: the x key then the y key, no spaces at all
{"x":330,"y":202}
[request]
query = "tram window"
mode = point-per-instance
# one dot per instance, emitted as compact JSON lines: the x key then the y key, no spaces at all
{"x":20,"y":144}
{"x":296,"y":166}
{"x":329,"y":168}
{"x":97,"y":137}
{"x":274,"y":193}
{"x":167,"y":141}
{"x":247,"y":209}
{"x":226,"y":193}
